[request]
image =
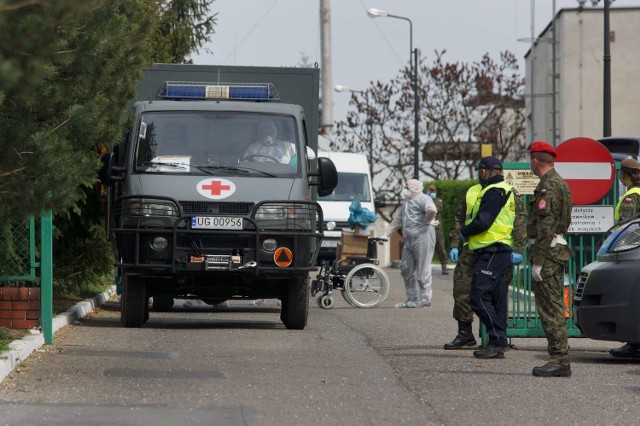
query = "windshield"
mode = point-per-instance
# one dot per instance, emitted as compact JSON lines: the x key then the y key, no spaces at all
{"x":217,"y":143}
{"x":624,"y":146}
{"x":351,"y":186}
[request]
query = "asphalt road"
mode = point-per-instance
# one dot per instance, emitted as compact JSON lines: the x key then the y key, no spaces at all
{"x":349,"y":366}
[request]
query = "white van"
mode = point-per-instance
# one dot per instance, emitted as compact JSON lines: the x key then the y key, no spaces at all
{"x":354,"y":183}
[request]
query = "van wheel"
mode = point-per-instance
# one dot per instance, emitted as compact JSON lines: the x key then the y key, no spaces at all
{"x":134,"y":302}
{"x":295,"y":304}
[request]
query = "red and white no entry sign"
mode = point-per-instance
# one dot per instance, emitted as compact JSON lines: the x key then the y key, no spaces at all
{"x":588,"y":168}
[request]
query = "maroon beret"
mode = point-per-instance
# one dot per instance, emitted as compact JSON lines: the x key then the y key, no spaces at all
{"x":540,"y":146}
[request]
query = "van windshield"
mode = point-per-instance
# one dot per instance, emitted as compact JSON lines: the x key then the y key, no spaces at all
{"x":351,"y":186}
{"x":623,"y":147}
{"x":217,"y":143}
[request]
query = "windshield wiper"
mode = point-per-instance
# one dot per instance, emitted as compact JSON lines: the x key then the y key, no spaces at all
{"x":155,"y":163}
{"x":210,"y":169}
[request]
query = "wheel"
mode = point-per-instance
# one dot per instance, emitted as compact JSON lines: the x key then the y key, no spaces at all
{"x":295,"y":304}
{"x":162,"y":303}
{"x":134,"y":302}
{"x":366,"y":286}
{"x":319,"y":300}
{"x":326,"y":302}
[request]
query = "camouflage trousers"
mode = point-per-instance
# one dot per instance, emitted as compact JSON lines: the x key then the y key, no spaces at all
{"x":462,"y":277}
{"x":550,"y":304}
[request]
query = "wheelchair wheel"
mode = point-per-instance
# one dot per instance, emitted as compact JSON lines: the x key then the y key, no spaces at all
{"x":325,"y":301}
{"x":366,"y":286}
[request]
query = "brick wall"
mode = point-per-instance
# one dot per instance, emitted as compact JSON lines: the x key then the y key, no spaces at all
{"x":20,"y":307}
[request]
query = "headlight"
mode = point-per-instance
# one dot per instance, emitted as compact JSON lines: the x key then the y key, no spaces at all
{"x":159,"y":243}
{"x":271,"y":212}
{"x":286,"y":216}
{"x":624,"y":239}
{"x":331,"y":225}
{"x":269,"y":244}
{"x":142,"y":208}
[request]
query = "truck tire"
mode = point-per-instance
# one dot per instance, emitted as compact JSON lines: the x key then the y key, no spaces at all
{"x":134,"y":302}
{"x":295,"y":304}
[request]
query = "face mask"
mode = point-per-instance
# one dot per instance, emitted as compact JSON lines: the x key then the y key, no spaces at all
{"x":432,"y":195}
{"x":406,"y":194}
{"x":267,"y":140}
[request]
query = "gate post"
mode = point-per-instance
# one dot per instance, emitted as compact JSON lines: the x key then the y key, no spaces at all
{"x":46,"y":276}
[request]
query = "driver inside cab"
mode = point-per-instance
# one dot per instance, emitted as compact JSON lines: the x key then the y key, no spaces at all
{"x":268,"y":148}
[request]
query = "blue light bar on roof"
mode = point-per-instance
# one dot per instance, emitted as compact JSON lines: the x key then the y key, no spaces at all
{"x":224,"y":91}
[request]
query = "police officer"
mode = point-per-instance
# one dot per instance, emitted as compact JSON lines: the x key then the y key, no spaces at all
{"x":463,"y":272}
{"x":489,"y":235}
{"x":440,"y":250}
{"x":549,"y":219}
{"x":627,"y":208}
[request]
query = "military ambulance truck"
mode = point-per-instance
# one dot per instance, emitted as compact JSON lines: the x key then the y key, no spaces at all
{"x":210,"y":192}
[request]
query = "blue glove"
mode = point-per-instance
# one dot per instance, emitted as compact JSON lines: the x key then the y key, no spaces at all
{"x":463,"y":238}
{"x":516,"y":258}
{"x":453,"y":255}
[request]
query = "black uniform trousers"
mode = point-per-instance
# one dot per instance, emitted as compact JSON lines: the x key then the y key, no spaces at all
{"x":489,"y":290}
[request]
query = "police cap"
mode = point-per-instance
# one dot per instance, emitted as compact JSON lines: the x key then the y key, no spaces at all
{"x":490,"y":163}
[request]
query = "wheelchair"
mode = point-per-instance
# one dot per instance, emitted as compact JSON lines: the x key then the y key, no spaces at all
{"x":361,"y":281}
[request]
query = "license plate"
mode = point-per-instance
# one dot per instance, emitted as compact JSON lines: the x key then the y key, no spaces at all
{"x":206,"y":222}
{"x":329,"y":243}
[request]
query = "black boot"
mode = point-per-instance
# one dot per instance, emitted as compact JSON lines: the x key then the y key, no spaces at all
{"x":444,"y":269}
{"x":464,"y":339}
{"x":551,"y":369}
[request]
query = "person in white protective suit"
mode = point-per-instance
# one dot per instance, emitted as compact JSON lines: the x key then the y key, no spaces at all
{"x":268,"y":148}
{"x":416,"y":218}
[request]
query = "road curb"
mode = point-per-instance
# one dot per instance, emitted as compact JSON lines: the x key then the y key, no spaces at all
{"x":21,"y":349}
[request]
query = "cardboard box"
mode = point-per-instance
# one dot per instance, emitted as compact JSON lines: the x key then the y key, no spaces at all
{"x":353,"y":244}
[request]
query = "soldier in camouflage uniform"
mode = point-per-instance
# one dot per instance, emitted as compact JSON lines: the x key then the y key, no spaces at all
{"x":440,"y":250}
{"x":463,"y":273}
{"x":627,"y":208}
{"x":549,"y":220}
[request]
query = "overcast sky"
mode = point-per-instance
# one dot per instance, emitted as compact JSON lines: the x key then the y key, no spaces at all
{"x":279,"y":32}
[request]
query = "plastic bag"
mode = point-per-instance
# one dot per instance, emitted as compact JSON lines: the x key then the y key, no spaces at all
{"x":359,"y":215}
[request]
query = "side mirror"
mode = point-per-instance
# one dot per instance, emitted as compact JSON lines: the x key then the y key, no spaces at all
{"x":328,"y":176}
{"x":380,"y":201}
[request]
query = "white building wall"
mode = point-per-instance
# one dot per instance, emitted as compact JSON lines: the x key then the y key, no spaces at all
{"x":579,"y":65}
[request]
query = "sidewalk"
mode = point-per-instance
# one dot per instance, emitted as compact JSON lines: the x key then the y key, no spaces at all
{"x":21,"y":349}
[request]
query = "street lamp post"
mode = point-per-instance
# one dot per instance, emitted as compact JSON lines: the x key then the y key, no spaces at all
{"x":341,"y":88}
{"x":413,"y":62}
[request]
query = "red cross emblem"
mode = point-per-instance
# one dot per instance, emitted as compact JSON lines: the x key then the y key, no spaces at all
{"x":216,"y":188}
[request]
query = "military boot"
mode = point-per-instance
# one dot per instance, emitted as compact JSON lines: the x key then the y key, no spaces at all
{"x":464,"y":339}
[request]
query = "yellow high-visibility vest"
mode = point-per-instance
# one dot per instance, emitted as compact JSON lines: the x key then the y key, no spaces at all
{"x":633,"y":190}
{"x":500,"y":229}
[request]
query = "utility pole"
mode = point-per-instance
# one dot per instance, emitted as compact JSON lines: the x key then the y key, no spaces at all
{"x":326,"y":120}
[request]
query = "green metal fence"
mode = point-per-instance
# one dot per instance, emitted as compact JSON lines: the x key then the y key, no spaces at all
{"x":523,"y":319}
{"x":21,"y":258}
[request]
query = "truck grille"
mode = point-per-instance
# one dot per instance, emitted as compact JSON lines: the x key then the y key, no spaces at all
{"x":582,"y":280}
{"x":213,"y":207}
